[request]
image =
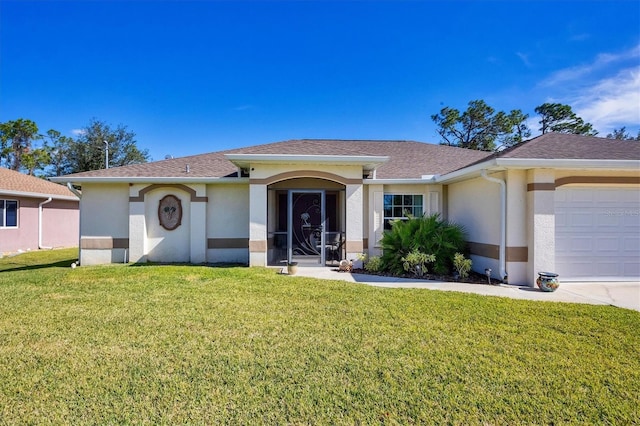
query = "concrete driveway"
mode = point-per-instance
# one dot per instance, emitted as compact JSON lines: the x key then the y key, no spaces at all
{"x":621,"y":294}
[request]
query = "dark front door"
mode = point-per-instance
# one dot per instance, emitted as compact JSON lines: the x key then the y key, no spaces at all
{"x":306,"y":227}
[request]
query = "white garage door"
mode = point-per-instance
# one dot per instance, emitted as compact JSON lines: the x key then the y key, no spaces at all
{"x":598,"y":233}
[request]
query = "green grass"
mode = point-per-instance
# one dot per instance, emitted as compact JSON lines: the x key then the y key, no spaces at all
{"x":191,"y":344}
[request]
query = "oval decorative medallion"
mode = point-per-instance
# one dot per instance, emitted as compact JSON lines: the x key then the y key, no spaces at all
{"x":170,"y":212}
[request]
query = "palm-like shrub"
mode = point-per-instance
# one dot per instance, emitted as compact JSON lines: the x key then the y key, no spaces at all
{"x":426,"y":234}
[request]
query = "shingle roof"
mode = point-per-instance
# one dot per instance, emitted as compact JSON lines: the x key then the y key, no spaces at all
{"x":579,"y":147}
{"x":408,"y":159}
{"x":11,"y":180}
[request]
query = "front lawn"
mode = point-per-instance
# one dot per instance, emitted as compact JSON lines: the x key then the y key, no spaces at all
{"x":186,"y":344}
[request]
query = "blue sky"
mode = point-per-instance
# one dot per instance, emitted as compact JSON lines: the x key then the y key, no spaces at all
{"x":202,"y":76}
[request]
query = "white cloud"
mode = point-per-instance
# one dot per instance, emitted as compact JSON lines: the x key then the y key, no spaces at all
{"x":611,"y":102}
{"x":602,"y":61}
{"x":605,"y":92}
{"x":78,"y":132}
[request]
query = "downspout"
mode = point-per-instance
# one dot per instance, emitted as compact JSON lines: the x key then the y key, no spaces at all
{"x":503,"y":222}
{"x":79,"y":195}
{"x":40,"y":246}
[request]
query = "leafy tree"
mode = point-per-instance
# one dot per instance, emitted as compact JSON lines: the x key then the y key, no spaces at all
{"x":480,"y":126}
{"x":16,"y":139}
{"x":560,"y":118}
{"x":87,"y":152}
{"x":622,"y":134}
{"x":58,"y":147}
{"x":36,"y":159}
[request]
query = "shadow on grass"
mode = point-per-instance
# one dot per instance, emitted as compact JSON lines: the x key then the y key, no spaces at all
{"x":210,"y":265}
{"x":18,"y":266}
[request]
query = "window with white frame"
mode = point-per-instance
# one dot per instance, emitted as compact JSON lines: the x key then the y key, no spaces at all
{"x":401,"y":206}
{"x":8,"y":214}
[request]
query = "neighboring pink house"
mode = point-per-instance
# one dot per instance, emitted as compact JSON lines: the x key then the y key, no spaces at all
{"x":35,"y":213}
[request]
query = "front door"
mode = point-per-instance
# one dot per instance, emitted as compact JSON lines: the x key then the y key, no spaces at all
{"x":306,"y":227}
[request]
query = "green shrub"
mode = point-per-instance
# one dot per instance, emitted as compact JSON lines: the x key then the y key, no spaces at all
{"x":416,"y":262}
{"x":426,"y":234}
{"x":462,"y":265}
{"x":374,"y":264}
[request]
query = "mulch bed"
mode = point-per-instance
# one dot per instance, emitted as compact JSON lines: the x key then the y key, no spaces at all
{"x":473,"y":278}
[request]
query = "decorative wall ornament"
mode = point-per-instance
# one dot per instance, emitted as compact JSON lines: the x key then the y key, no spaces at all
{"x":170,"y":212}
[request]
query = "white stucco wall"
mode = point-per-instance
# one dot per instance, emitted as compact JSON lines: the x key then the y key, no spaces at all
{"x":163,"y":245}
{"x":258,"y":225}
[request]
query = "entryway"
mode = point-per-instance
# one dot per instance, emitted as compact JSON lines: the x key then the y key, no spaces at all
{"x":308,"y":225}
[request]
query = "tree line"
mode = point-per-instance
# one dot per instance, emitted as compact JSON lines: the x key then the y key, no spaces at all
{"x":23,"y":148}
{"x":483,"y":128}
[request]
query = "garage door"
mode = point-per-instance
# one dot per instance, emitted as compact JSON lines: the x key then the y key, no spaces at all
{"x":597,"y":233}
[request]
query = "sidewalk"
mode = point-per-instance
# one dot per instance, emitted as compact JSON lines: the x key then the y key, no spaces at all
{"x":621,"y":294}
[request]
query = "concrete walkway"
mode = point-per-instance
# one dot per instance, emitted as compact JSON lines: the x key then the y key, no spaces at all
{"x":620,"y":294}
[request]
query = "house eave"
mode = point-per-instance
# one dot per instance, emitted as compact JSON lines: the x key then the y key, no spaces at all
{"x":124,"y":179}
{"x":560,"y":163}
{"x":497,"y":164}
{"x":366,"y":161}
{"x":5,"y":192}
{"x":408,"y":181}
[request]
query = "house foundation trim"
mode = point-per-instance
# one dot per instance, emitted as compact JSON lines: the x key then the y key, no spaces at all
{"x":492,"y":251}
{"x":227,"y":243}
{"x":104,"y":243}
{"x":257,"y":246}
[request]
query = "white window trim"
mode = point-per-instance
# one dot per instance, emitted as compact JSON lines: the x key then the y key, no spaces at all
{"x":385,"y":218}
{"x":4,"y":213}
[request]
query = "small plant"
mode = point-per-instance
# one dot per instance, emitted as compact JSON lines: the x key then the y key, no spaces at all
{"x":374,"y":264}
{"x":462,"y":265}
{"x":416,"y":262}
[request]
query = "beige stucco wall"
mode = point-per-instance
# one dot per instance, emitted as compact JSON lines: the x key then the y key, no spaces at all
{"x":103,"y":215}
{"x":374,"y":204}
{"x":517,"y":238}
{"x":228,"y":220}
{"x":102,"y":207}
{"x":475,"y":204}
{"x":263,"y":171}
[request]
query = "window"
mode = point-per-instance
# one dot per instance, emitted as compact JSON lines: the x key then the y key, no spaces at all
{"x":398,"y":206}
{"x":8,"y":213}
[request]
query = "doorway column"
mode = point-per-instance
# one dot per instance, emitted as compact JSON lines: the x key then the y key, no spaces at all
{"x":257,"y":225}
{"x":354,"y":225}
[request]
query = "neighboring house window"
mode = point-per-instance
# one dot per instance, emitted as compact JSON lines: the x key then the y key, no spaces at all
{"x":8,"y":213}
{"x":398,"y":206}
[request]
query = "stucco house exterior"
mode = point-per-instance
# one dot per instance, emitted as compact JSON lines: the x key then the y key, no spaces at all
{"x":561,"y":203}
{"x":35,"y":213}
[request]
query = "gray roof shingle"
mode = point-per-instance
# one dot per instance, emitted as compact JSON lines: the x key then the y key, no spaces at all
{"x":11,"y":180}
{"x":408,"y":159}
{"x":579,"y":147}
